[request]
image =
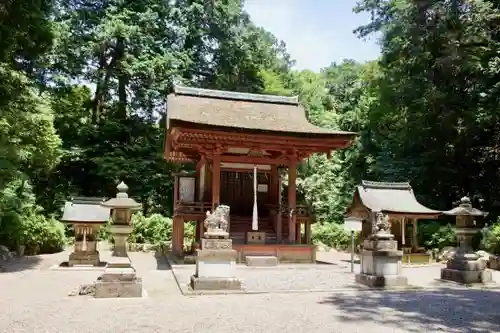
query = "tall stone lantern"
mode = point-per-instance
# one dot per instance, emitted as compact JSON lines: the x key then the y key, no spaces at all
{"x":119,"y":278}
{"x":464,"y":266}
{"x":122,"y":208}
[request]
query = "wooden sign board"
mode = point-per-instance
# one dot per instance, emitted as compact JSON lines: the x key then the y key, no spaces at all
{"x":186,"y":189}
{"x":353,"y":224}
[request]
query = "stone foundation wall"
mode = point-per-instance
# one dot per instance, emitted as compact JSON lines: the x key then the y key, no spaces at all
{"x":284,"y":253}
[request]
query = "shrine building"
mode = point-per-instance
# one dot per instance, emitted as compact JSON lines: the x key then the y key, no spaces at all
{"x":398,"y":201}
{"x":242,"y":145}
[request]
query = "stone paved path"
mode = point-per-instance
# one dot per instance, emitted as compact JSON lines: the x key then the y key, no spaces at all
{"x":33,"y":298}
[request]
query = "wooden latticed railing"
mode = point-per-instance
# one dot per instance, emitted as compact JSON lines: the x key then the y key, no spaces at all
{"x":302,"y":212}
{"x":192,"y":208}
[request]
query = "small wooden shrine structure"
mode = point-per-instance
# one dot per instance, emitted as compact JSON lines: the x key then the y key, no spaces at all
{"x":399,"y":202}
{"x":86,"y":215}
{"x":240,"y":143}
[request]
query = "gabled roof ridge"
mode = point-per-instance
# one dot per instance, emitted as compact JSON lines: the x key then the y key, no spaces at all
{"x":386,"y":185}
{"x":238,"y":96}
{"x":87,"y":200}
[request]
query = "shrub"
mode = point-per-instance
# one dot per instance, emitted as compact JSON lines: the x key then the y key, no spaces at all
{"x":491,"y":239}
{"x":332,"y":235}
{"x":155,"y":229}
{"x":434,"y":235}
{"x":40,"y":234}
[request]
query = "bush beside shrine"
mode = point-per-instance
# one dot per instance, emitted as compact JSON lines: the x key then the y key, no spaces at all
{"x":23,"y":226}
{"x":155,"y":231}
{"x":331,"y":235}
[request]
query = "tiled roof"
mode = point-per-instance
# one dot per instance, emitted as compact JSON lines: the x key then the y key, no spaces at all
{"x":85,"y":209}
{"x":391,"y":198}
{"x":241,"y":110}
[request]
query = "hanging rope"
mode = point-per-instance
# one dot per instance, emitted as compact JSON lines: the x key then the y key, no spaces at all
{"x":255,"y":215}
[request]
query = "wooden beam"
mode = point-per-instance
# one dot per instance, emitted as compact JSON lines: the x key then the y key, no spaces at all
{"x":252,"y":160}
{"x":324,"y":141}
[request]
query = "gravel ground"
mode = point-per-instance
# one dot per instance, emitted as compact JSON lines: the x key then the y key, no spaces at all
{"x":34,"y":299}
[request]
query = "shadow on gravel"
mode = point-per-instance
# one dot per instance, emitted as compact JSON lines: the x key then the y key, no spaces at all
{"x":356,"y":261}
{"x":334,"y":264}
{"x":445,"y":309}
{"x":162,"y":263}
{"x":19,"y":264}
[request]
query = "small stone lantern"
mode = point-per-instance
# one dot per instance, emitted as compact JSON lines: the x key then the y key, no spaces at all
{"x":122,"y":208}
{"x":465,"y":266}
{"x":119,"y":278}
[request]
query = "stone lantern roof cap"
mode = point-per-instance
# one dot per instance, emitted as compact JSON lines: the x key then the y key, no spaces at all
{"x":122,"y":200}
{"x":465,"y":209}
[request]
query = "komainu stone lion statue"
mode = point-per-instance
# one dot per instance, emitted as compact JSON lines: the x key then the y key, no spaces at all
{"x":217,"y":223}
{"x":381,"y":223}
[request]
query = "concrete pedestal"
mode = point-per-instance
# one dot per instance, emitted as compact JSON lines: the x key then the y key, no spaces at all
{"x":381,"y":263}
{"x":466,"y":268}
{"x":215,"y":266}
{"x":118,"y":280}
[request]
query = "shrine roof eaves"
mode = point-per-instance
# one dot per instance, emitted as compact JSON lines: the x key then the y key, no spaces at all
{"x":85,"y":210}
{"x":233,"y":95}
{"x":236,"y":110}
{"x":392,"y":198}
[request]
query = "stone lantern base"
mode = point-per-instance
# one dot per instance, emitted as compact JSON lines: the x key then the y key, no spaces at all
{"x":381,"y":263}
{"x":119,"y":278}
{"x":466,"y":269}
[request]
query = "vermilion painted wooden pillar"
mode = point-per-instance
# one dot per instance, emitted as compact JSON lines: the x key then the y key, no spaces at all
{"x":292,"y":193}
{"x":298,"y":233}
{"x":215,"y":181}
{"x":200,"y":230}
{"x":177,"y":235}
{"x":274,"y":186}
{"x":181,"y":235}
{"x":308,"y":232}
{"x":176,"y":190}
{"x":275,"y":199}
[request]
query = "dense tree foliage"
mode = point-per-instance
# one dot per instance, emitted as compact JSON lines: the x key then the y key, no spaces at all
{"x":83,"y":86}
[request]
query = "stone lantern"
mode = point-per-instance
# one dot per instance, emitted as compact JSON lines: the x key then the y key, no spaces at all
{"x":119,"y":278}
{"x":122,"y":208}
{"x":464,"y":266}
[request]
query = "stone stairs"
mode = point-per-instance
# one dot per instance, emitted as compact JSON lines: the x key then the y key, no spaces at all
{"x":261,"y":261}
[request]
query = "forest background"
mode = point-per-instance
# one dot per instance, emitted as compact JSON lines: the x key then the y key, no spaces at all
{"x":83,"y":88}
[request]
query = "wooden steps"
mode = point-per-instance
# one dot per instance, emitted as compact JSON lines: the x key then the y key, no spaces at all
{"x":239,"y":226}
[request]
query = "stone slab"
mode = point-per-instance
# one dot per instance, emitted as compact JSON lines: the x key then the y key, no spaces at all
{"x":216,"y":244}
{"x":118,"y":289}
{"x":217,"y":255}
{"x":457,"y":263}
{"x":259,"y":261}
{"x":380,"y":265}
{"x":118,"y":274}
{"x":119,"y":262}
{"x":373,"y":281}
{"x":214,"y":283}
{"x":371,"y":244}
{"x":467,"y":277}
{"x":215,"y":268}
{"x":83,"y":258}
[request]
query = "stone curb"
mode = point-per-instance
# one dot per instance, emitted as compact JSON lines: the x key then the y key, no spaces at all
{"x":188,"y":292}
